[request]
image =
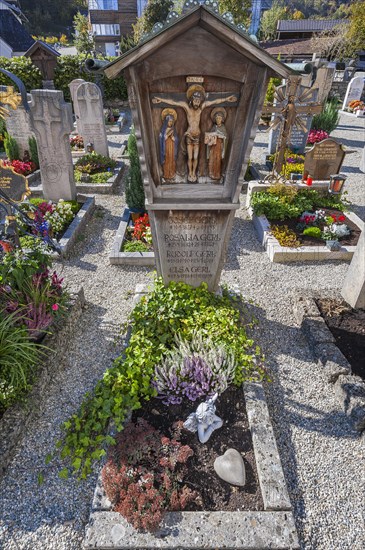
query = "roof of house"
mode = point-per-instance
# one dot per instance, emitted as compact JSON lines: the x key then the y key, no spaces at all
{"x":291,"y":46}
{"x":43,"y":46}
{"x":308,"y":25}
{"x":13,"y":32}
{"x":218,"y":25}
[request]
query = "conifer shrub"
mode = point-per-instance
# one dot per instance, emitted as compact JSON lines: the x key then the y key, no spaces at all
{"x":33,"y":150}
{"x":11,"y":148}
{"x":134,"y":190}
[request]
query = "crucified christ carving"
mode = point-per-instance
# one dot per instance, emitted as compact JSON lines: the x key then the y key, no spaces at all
{"x":193,"y":108}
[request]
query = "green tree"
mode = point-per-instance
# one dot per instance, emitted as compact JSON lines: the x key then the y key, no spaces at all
{"x":270,"y":18}
{"x":84,"y":40}
{"x":156,"y":11}
{"x":240,"y":9}
{"x":355,"y":35}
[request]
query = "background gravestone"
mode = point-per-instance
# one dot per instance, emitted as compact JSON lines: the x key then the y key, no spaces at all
{"x":91,"y":113}
{"x":354,"y":90}
{"x":298,"y":138}
{"x":51,"y":120}
{"x":74,"y":84}
{"x":18,"y":125}
{"x":353,"y":289}
{"x":324,"y":159}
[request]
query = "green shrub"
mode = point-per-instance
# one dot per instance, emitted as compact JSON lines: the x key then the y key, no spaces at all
{"x":33,"y":151}
{"x":328,"y":119}
{"x":135,"y":246}
{"x":93,"y":163}
{"x":314,"y":232}
{"x":175,"y":309}
{"x":134,"y":190}
{"x":24,"y":69}
{"x":101,"y":177}
{"x":11,"y":147}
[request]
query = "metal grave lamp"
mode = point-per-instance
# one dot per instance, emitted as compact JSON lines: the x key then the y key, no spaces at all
{"x":336,"y":184}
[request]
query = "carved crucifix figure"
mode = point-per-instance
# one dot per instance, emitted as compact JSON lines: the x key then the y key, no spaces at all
{"x":193,"y":108}
{"x":288,"y":114}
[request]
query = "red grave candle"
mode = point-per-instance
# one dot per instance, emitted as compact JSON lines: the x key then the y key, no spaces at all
{"x":309,"y":180}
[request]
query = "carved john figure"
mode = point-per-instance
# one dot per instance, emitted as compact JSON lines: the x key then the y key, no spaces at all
{"x":216,"y":141}
{"x":193,"y":108}
{"x":168,"y":143}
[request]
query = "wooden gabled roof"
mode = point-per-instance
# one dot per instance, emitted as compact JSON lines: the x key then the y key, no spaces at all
{"x":210,"y":21}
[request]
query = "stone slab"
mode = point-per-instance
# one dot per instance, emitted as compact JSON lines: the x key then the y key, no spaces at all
{"x":305,"y":307}
{"x":271,"y":477}
{"x":116,"y":257}
{"x":76,"y":227}
{"x":316,"y":331}
{"x":107,"y":188}
{"x":196,"y":530}
{"x":353,"y":288}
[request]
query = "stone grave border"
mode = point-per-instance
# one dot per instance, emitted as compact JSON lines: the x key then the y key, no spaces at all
{"x":103,"y":188}
{"x":273,"y":528}
{"x":116,"y":257}
{"x":348,"y":388}
{"x":347,"y":113}
{"x":76,"y":227}
{"x":16,"y":419}
{"x":278,"y":253}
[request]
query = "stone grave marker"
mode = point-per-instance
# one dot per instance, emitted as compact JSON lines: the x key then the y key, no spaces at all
{"x":195,"y":113}
{"x":353,"y":288}
{"x":324,"y":159}
{"x":18,"y":125}
{"x":91,"y":121}
{"x":323,"y":82}
{"x":354,"y":90}
{"x":51,"y":121}
{"x":298,"y":137}
{"x":14,"y":185}
{"x":74,"y":84}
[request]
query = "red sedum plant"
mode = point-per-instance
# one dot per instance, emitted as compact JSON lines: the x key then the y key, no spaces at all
{"x":144,"y":475}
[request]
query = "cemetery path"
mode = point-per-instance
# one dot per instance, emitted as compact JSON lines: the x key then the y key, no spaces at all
{"x":323,"y":458}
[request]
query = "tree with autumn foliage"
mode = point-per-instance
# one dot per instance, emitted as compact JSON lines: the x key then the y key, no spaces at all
{"x":240,"y":9}
{"x":355,"y":36}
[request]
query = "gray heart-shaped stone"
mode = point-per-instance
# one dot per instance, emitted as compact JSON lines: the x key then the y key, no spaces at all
{"x":230,"y":467}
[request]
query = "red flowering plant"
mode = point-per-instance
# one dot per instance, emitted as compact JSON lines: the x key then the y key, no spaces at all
{"x":320,"y":225}
{"x":76,"y":142}
{"x":315,"y":136}
{"x":144,"y":474}
{"x":20,"y":167}
{"x":139,"y":237}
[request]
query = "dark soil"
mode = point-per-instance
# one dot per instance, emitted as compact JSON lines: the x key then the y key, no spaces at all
{"x":348,"y":327}
{"x":305,"y":240}
{"x":215,"y":493}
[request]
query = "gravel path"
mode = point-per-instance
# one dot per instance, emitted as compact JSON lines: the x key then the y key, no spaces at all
{"x":323,"y":458}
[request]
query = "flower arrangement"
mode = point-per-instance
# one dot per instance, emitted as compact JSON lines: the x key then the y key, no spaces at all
{"x":93,"y":163}
{"x":50,"y":218}
{"x":356,"y":105}
{"x":139,"y":237}
{"x":76,"y":142}
{"x":20,"y":167}
{"x":315,"y":136}
{"x":328,"y":227}
{"x":145,"y":472}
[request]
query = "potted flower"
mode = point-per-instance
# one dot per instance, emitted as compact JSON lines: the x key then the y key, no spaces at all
{"x":333,"y":231}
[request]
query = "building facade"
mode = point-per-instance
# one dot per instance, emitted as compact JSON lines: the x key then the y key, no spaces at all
{"x":14,"y":38}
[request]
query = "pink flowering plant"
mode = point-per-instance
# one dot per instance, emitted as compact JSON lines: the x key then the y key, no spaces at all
{"x":319,"y":224}
{"x":315,"y":136}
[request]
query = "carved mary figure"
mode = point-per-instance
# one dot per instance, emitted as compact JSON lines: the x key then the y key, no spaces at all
{"x":217,"y":147}
{"x":168,"y":144}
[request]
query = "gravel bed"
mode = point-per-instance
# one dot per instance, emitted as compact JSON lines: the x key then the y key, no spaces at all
{"x":323,"y":458}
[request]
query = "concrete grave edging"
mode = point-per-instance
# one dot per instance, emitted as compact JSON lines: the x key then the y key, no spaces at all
{"x":76,"y":227}
{"x":116,"y":257}
{"x":349,"y":389}
{"x":103,"y":188}
{"x":278,"y":253}
{"x":16,"y":419}
{"x":272,"y":528}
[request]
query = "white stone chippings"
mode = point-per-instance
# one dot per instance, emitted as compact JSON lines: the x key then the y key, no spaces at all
{"x":322,"y":456}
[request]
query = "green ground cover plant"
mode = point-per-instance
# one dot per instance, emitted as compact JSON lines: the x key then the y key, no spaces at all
{"x":156,"y":320}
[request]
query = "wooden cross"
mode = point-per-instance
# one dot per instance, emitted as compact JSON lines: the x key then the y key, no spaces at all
{"x":288,"y":112}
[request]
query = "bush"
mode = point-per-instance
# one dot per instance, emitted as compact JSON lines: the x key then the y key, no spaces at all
{"x":314,"y":232}
{"x":135,"y":246}
{"x":168,"y":310}
{"x":24,"y":69}
{"x":134,"y":190}
{"x":93,"y":163}
{"x":285,"y":236}
{"x":328,"y":119}
{"x":33,"y":150}
{"x":11,"y":148}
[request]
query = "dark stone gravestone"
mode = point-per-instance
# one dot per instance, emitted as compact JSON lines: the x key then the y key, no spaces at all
{"x":324,"y":159}
{"x":14,"y":185}
{"x":196,"y":87}
{"x":298,"y":137}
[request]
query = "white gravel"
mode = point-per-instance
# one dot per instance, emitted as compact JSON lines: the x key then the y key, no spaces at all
{"x":323,"y":458}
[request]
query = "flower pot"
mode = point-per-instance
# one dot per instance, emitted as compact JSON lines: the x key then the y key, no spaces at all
{"x":333,"y":245}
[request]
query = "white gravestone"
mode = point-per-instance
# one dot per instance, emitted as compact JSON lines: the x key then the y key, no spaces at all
{"x":354,"y":90}
{"x":74,"y":84}
{"x":18,"y":125}
{"x":298,"y":138}
{"x":353,"y":288}
{"x":51,"y":119}
{"x":92,"y":125}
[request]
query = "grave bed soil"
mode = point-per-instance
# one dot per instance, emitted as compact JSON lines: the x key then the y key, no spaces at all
{"x":305,"y":240}
{"x":216,"y":494}
{"x":347,"y":325}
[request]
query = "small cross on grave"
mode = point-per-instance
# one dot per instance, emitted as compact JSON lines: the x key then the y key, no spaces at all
{"x":289,"y":113}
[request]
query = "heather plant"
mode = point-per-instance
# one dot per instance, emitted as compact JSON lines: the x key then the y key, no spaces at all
{"x":144,"y":475}
{"x":193,"y":370}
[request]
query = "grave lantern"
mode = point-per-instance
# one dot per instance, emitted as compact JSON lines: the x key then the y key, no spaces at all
{"x":196,"y":87}
{"x":336,"y":184}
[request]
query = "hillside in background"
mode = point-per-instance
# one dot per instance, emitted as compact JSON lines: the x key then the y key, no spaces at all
{"x":51,"y":16}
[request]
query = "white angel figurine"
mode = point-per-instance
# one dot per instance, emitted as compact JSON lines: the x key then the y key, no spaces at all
{"x":204,"y":420}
